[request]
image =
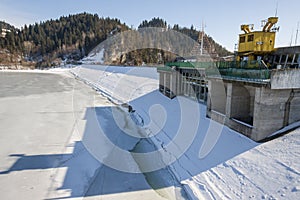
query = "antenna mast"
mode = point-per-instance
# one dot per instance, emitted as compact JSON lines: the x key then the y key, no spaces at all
{"x":292,"y":38}
{"x":297,"y":34}
{"x":202,"y":39}
{"x":276,"y":9}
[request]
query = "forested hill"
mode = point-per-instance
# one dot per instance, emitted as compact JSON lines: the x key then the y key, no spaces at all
{"x":5,"y":26}
{"x":69,"y":37}
{"x":73,"y":37}
{"x":209,"y":42}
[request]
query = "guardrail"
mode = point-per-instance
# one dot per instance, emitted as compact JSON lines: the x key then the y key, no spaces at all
{"x":256,"y":71}
{"x":253,"y":71}
{"x":190,"y":64}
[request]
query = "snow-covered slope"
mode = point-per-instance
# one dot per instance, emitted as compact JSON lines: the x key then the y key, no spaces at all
{"x":121,"y":84}
{"x":95,"y":57}
{"x":208,"y":159}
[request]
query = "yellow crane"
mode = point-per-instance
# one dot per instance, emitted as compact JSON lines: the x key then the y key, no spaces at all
{"x":254,"y":45}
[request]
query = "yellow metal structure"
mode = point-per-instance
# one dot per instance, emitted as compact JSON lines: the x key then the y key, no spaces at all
{"x":245,"y":28}
{"x":271,"y":21}
{"x":257,"y":43}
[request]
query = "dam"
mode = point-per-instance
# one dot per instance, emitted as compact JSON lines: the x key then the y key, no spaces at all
{"x":256,"y":94}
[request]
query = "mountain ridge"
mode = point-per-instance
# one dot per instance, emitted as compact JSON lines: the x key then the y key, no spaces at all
{"x":70,"y":38}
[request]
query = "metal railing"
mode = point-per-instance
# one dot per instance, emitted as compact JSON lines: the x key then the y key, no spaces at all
{"x":255,"y":71}
{"x":203,"y":65}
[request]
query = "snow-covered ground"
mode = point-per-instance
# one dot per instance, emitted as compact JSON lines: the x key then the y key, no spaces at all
{"x":121,"y":84}
{"x":208,"y":159}
{"x":95,"y":56}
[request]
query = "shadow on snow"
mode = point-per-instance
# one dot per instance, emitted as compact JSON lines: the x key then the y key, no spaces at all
{"x":103,"y":180}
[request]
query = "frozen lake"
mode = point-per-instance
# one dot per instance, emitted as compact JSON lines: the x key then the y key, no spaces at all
{"x":42,"y":155}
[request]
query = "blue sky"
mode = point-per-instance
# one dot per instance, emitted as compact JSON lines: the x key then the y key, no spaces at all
{"x":222,"y":18}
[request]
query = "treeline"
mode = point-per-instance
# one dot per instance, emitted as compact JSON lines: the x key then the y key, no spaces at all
{"x":190,"y":32}
{"x":4,"y":25}
{"x":73,"y":37}
{"x":163,"y":43}
{"x":70,"y":37}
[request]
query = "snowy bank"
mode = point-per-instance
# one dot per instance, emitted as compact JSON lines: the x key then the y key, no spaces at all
{"x":211,"y":161}
{"x":120,"y":84}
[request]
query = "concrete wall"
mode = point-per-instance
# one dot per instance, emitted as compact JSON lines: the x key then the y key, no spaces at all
{"x":169,"y":83}
{"x":218,"y":117}
{"x":178,"y":84}
{"x":161,"y":82}
{"x":218,"y":97}
{"x":240,"y":103}
{"x":253,"y":110}
{"x":269,"y":111}
{"x":285,"y":79}
{"x":251,"y":91}
{"x":294,"y":114}
{"x":235,"y":99}
{"x":241,"y":128}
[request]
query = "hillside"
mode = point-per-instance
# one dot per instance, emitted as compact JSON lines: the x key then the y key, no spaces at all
{"x":70,"y":38}
{"x":5,"y":27}
{"x":50,"y":42}
{"x":156,"y":42}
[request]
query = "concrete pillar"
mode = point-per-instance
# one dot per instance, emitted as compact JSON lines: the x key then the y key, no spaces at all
{"x":168,"y":85}
{"x":274,"y":58}
{"x":294,"y":115}
{"x":173,"y":83}
{"x":178,"y":85}
{"x":218,"y":96}
{"x":208,"y":103}
{"x":165,"y":83}
{"x":228,"y":101}
{"x":182,"y":84}
{"x":205,"y":92}
{"x":286,"y":59}
{"x":188,"y":88}
{"x":269,"y":110}
{"x":280,"y":58}
{"x":294,"y":56}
